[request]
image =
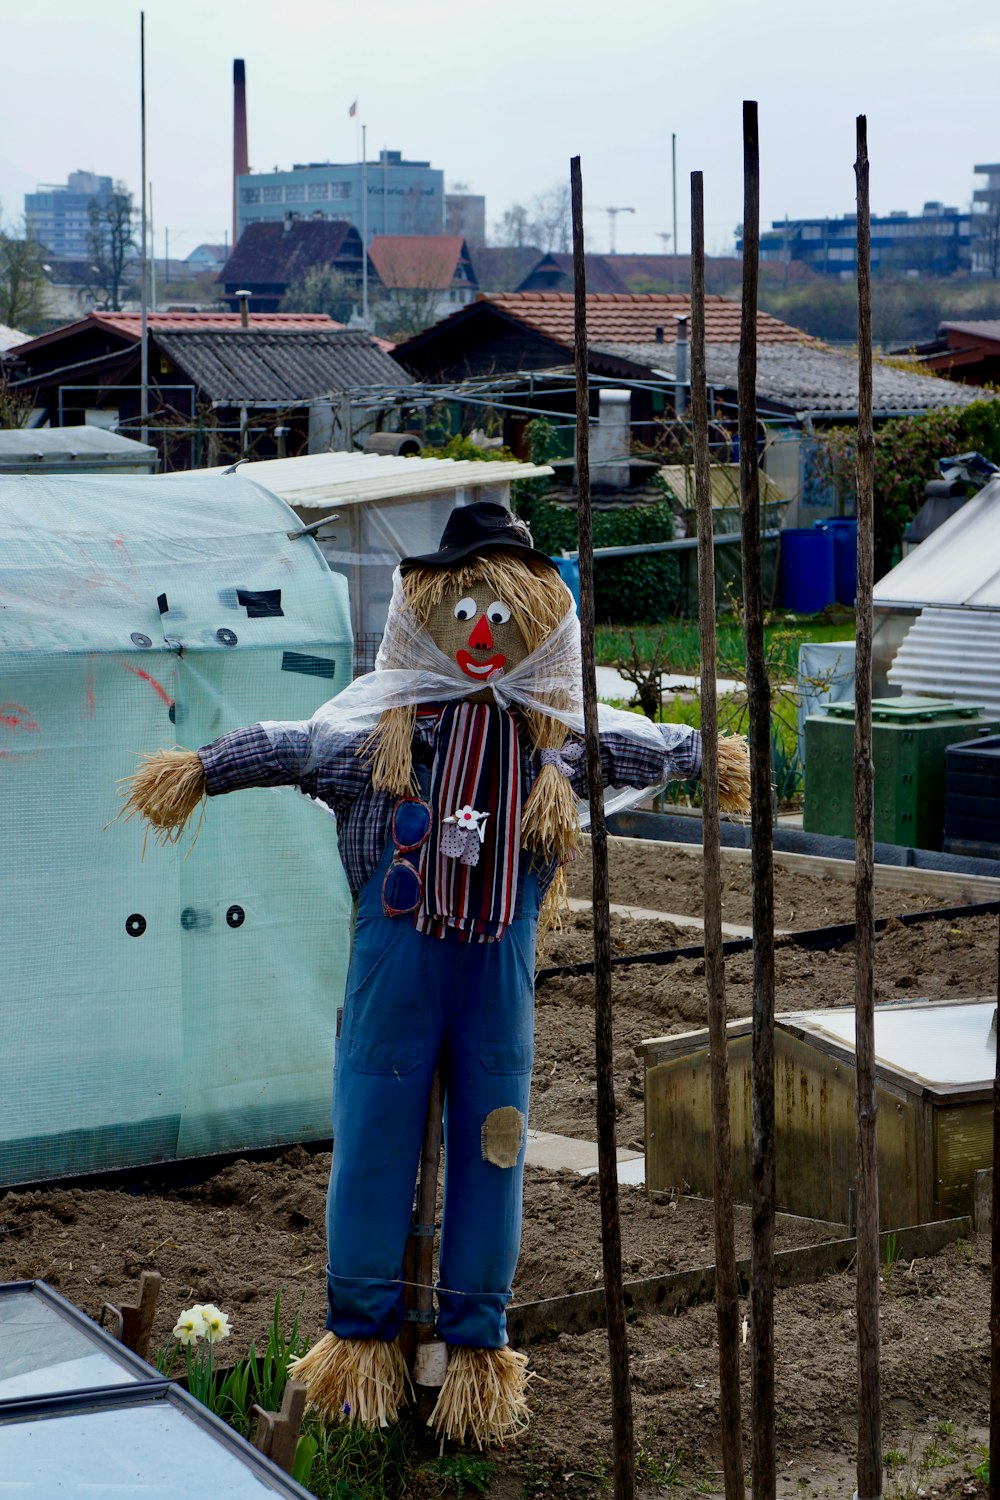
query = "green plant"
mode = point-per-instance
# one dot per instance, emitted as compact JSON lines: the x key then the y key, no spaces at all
{"x":894,"y":1458}
{"x":461,"y":447}
{"x":891,"y":1254}
{"x":628,"y":589}
{"x":982,"y":1471}
{"x":460,"y":1472}
{"x":658,"y":1473}
{"x":786,"y":766}
{"x":349,"y":1461}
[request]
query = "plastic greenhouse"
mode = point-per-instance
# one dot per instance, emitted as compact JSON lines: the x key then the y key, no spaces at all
{"x":181,"y":1000}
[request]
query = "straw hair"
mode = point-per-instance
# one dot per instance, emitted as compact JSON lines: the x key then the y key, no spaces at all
{"x":538,"y":601}
{"x":485,"y":1393}
{"x":354,"y":1380}
{"x":165,"y":791}
{"x":734,"y":774}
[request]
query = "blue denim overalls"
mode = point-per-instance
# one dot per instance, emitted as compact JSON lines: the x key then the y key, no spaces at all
{"x":409,"y":998}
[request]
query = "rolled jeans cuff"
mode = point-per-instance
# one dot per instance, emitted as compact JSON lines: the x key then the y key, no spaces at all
{"x":361,"y":1309}
{"x":476,"y":1319}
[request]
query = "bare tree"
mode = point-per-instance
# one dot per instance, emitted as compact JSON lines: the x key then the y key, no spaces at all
{"x":324,"y":289}
{"x":545,"y":221}
{"x":111,"y":236}
{"x":22,"y":280}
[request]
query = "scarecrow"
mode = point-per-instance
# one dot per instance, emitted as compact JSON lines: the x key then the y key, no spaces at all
{"x":454,"y":771}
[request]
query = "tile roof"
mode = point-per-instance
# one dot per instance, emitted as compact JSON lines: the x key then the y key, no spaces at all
{"x":555,"y":273}
{"x":500,"y":268}
{"x":275,"y":255}
{"x":130,"y":323}
{"x":427,"y":262}
{"x":287,"y":365}
{"x":808,"y":378}
{"x":634,"y":318}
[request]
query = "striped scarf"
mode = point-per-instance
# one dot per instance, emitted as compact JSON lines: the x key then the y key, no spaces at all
{"x":477,"y":763}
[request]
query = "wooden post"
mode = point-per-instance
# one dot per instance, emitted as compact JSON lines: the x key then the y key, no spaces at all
{"x":277,"y":1432}
{"x":763,"y":1477}
{"x":869,"y":1401}
{"x":623,"y":1459}
{"x":132,"y":1323}
{"x":726,"y":1291}
{"x":995,"y":1281}
{"x":418,"y":1262}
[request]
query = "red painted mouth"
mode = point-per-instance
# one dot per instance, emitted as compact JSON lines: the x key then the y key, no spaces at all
{"x":481,"y":671}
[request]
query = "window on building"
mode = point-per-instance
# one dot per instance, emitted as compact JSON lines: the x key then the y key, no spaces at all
{"x":250,"y":195}
{"x":273,"y":194}
{"x":340,"y":190}
{"x":295,"y":192}
{"x":318,"y":191}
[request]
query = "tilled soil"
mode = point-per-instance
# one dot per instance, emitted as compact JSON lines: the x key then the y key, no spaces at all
{"x":237,"y":1233}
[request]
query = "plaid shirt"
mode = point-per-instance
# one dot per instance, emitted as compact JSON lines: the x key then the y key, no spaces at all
{"x":252,"y":757}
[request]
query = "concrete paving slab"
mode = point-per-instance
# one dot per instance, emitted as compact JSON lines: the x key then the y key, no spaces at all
{"x":679,"y":919}
{"x":611,"y":685}
{"x":562,"y":1153}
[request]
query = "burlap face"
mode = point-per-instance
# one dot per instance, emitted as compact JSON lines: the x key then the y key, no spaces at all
{"x":475,"y":629}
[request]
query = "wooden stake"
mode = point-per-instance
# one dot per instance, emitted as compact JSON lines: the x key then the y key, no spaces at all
{"x":277,"y":1432}
{"x":132,"y":1323}
{"x":995,"y":1282}
{"x":869,"y":1400}
{"x":418,"y":1261}
{"x":763,"y":1478}
{"x":726,"y":1290}
{"x":623,"y":1459}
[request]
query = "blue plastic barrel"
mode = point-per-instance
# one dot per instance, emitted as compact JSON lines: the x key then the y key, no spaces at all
{"x":844,"y":531}
{"x":807,"y":576}
{"x":569,"y":572}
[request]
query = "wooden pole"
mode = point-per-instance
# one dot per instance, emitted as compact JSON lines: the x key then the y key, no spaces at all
{"x":763,"y":1478}
{"x":623,"y":1458}
{"x":726,"y":1290}
{"x":869,"y":1401}
{"x":995,"y":1281}
{"x":418,"y":1263}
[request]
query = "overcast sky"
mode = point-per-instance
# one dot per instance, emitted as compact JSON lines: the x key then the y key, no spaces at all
{"x":500,"y":93}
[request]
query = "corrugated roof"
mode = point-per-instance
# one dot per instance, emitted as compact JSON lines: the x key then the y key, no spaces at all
{"x":55,"y":444}
{"x":427,"y":262}
{"x":808,"y":378}
{"x":951,"y":653}
{"x":10,"y":338}
{"x":270,"y":254}
{"x":320,"y":481}
{"x":958,"y":564}
{"x":286,"y":365}
{"x":129,"y":325}
{"x":634,"y":318}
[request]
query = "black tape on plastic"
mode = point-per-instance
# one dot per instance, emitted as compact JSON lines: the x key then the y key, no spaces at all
{"x":312,"y":666}
{"x":260,"y":603}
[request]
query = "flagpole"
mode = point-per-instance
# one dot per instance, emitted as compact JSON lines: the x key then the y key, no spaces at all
{"x":364,"y":225}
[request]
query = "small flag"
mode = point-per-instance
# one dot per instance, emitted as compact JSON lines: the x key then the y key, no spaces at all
{"x":353,"y":110}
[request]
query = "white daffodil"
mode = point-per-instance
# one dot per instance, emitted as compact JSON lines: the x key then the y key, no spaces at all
{"x":190,"y":1326}
{"x":216,"y":1323}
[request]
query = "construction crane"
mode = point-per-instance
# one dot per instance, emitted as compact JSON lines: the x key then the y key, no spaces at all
{"x":612,"y":214}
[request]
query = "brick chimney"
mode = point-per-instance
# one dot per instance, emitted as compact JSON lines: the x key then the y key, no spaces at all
{"x":241,"y":158}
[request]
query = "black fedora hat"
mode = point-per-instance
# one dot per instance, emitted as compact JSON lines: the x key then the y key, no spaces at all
{"x":483,"y":526}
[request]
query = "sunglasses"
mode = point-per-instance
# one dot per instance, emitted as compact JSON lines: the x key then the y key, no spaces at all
{"x":403,"y":887}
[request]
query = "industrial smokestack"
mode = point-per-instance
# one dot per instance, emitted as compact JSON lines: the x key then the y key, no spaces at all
{"x":241,"y":158}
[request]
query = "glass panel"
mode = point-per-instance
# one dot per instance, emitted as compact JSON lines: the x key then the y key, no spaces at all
{"x":153,"y":1450}
{"x":41,"y":1352}
{"x":937,"y":1044}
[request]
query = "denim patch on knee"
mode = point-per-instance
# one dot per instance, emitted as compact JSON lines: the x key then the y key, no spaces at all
{"x":503,"y":1136}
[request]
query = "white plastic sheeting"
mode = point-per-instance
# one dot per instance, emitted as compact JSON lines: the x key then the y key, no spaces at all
{"x":160,"y":1005}
{"x":958,"y":564}
{"x":951,"y":653}
{"x":826,"y":675}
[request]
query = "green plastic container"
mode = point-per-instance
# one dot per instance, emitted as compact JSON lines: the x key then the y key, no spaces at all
{"x":909,"y":739}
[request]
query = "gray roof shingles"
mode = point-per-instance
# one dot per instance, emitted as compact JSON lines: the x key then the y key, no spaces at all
{"x":294,"y":365}
{"x":806,"y":378}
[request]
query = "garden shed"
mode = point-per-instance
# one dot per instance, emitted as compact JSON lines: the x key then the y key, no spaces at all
{"x":160,"y":1002}
{"x":934,"y":1079}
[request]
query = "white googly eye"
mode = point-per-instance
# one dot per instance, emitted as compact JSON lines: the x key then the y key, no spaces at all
{"x":465,"y":608}
{"x":498,"y":613}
